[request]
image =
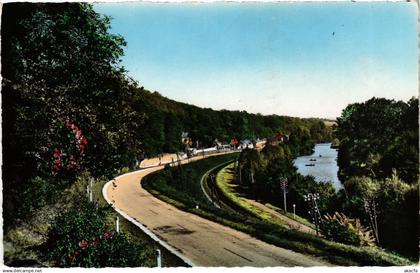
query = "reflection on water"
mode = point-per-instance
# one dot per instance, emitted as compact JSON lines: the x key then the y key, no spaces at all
{"x":321,"y":164}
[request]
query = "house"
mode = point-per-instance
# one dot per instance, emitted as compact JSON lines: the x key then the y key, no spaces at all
{"x":246,"y":143}
{"x":278,"y":138}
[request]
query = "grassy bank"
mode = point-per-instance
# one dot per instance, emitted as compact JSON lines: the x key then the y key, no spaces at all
{"x":186,"y":194}
{"x":225,"y":174}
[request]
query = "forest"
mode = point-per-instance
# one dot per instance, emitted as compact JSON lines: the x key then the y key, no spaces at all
{"x":71,"y":113}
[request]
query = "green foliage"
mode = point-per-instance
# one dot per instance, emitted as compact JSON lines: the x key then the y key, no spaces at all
{"x":398,"y":200}
{"x":378,"y":159}
{"x":335,"y":143}
{"x":170,"y":118}
{"x":377,"y":136}
{"x":81,"y":238}
{"x":67,"y":105}
{"x":271,"y":152}
{"x":362,"y":186}
{"x":342,"y":229}
{"x":38,"y":192}
{"x":395,"y":199}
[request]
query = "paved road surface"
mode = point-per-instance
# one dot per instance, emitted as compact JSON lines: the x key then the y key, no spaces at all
{"x":203,"y":242}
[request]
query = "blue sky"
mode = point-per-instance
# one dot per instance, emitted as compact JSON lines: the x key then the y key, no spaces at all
{"x":296,"y":59}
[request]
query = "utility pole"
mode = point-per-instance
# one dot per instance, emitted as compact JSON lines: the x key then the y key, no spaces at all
{"x":294,"y":211}
{"x":370,"y":209}
{"x":254,"y":188}
{"x":283,"y":184}
{"x":312,"y":198}
{"x":89,"y":190}
{"x":177,"y":158}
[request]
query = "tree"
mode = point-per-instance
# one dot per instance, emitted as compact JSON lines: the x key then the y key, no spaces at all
{"x":62,"y":86}
{"x":377,"y":136}
{"x":378,"y":160}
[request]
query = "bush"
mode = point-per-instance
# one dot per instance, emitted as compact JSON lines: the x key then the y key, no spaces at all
{"x":340,"y":228}
{"x":80,"y":238}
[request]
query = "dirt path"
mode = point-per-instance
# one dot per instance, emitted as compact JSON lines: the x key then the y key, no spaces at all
{"x":203,"y":242}
{"x":290,"y":222}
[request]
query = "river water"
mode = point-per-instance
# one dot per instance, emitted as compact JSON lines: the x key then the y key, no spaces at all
{"x":325,"y":165}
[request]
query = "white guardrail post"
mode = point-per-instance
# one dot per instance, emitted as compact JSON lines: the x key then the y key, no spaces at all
{"x":158,"y":258}
{"x":117,"y":224}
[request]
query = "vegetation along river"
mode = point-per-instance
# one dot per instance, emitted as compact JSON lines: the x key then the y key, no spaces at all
{"x":322,"y":165}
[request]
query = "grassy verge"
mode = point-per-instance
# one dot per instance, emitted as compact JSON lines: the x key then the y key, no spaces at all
{"x":295,"y":217}
{"x":186,"y":194}
{"x":223,"y":177}
{"x":135,"y":234}
{"x":222,"y":180}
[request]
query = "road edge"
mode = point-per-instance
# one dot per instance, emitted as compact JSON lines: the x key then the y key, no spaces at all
{"x":142,"y":227}
{"x":205,"y":175}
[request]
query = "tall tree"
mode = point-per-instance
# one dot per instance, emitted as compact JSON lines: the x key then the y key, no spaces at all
{"x":66,"y":101}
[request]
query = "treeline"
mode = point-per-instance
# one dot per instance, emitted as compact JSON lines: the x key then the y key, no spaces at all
{"x":378,"y":158}
{"x":167,"y":119}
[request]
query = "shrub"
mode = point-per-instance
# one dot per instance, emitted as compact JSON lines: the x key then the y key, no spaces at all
{"x":345,"y":230}
{"x":81,"y":238}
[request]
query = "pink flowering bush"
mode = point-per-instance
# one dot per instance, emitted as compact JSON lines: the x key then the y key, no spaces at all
{"x":74,"y":144}
{"x":81,"y":238}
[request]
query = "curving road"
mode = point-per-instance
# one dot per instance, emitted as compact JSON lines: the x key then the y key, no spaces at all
{"x":198,"y":241}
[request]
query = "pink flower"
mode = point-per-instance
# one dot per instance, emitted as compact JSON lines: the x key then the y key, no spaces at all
{"x":72,"y":163}
{"x":73,"y":255}
{"x":83,"y":244}
{"x":58,"y":163}
{"x":108,"y":234}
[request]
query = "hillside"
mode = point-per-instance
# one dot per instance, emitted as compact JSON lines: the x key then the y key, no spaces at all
{"x":170,"y":118}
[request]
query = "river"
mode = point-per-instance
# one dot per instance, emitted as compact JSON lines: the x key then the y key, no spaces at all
{"x":325,"y":165}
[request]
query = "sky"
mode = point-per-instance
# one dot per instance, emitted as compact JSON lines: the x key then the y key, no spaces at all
{"x":295,"y":59}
